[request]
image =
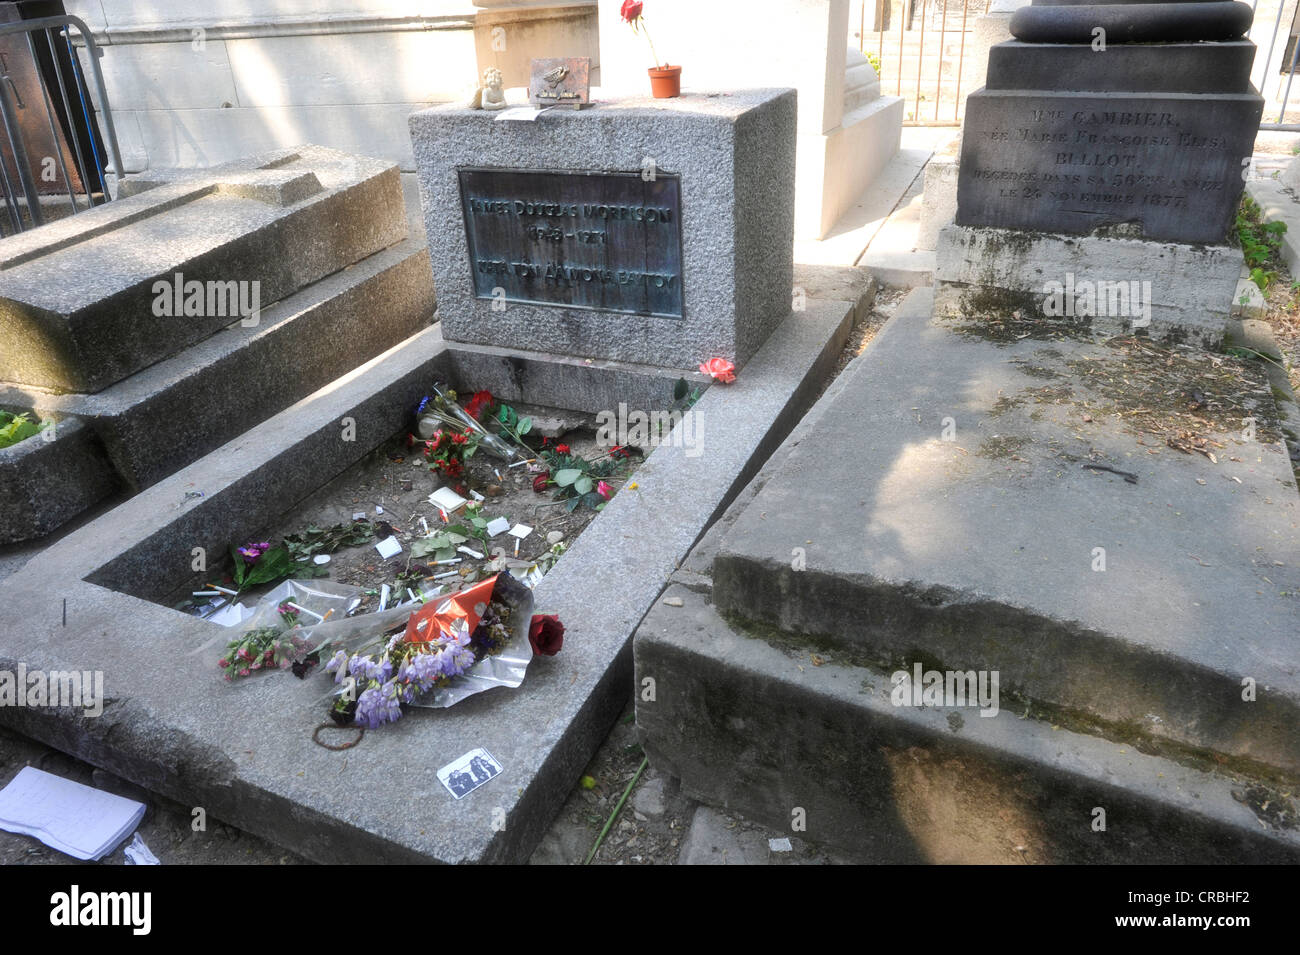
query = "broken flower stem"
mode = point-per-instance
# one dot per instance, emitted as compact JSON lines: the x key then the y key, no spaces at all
{"x":645,"y":761}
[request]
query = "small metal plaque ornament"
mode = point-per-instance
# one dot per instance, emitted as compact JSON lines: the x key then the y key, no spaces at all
{"x":561,"y":82}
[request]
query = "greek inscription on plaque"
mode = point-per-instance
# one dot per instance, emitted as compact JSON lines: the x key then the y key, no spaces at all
{"x":604,"y":241}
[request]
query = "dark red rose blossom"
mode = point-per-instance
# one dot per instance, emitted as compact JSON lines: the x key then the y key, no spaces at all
{"x":540,"y":482}
{"x":478,"y":404}
{"x":546,"y":634}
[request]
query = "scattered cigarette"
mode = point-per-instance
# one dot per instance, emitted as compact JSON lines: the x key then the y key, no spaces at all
{"x":449,"y":560}
{"x":328,"y":613}
{"x":526,"y":461}
{"x":472,"y":553}
{"x":516,"y":546}
{"x":450,"y":573}
{"x":383,"y":597}
{"x":444,"y":516}
{"x":304,"y":610}
{"x":207,"y":593}
{"x":223,"y":590}
{"x":410,"y":593}
{"x":424,"y":524}
{"x":497,"y":472}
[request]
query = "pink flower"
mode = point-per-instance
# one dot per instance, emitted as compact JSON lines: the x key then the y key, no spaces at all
{"x":721,"y":369}
{"x":604,"y":490}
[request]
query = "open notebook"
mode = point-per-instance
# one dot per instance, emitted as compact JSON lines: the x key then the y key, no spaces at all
{"x":85,"y":823}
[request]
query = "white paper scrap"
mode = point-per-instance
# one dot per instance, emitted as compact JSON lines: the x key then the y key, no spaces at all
{"x":231,"y":615}
{"x":780,"y":845}
{"x":84,"y":822}
{"x":519,"y":113}
{"x":389,"y":547}
{"x":521,"y":531}
{"x":137,"y":853}
{"x":447,"y":499}
{"x":470,"y":552}
{"x":358,"y":515}
{"x":498,"y":526}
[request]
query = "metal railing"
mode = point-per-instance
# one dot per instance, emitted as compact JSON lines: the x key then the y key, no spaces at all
{"x":31,"y":165}
{"x":910,"y":47}
{"x":1277,"y":57}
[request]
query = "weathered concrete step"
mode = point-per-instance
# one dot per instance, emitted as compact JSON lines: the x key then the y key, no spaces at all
{"x":271,"y":224}
{"x":165,"y":416}
{"x":798,"y":737}
{"x":1152,"y":610}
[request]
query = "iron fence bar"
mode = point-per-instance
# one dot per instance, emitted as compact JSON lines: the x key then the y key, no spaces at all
{"x":49,"y":115}
{"x":11,"y":201}
{"x":1290,"y":75}
{"x":920,"y":60}
{"x":92,"y":50}
{"x":20,"y":154}
{"x":82,"y":170}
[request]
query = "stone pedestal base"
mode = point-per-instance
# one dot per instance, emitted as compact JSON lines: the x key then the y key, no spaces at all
{"x":1097,"y":285}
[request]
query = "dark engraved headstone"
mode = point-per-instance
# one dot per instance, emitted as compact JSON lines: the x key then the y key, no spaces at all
{"x":1093,"y":132}
{"x":606,"y":241}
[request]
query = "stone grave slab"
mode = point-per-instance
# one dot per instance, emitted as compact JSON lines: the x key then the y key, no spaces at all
{"x":980,"y":551}
{"x":244,"y":751}
{"x":81,"y":297}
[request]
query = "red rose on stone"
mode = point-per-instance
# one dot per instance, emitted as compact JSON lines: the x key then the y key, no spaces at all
{"x":540,"y":482}
{"x":631,"y":10}
{"x":561,"y":449}
{"x":546,"y":634}
{"x":721,"y":369}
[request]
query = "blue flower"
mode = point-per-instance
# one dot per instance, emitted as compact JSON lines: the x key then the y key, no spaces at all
{"x":377,"y":706}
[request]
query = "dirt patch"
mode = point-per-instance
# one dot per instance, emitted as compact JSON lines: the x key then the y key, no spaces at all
{"x":1182,"y":395}
{"x":390,"y":488}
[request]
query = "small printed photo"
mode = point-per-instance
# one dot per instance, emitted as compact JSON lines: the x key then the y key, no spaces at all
{"x":464,"y":775}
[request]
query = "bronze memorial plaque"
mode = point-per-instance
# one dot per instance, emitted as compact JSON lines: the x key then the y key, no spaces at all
{"x":562,"y":82}
{"x":608,"y":241}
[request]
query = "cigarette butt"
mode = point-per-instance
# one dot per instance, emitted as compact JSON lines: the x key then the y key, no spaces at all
{"x":497,"y":472}
{"x":444,"y":516}
{"x":304,"y":610}
{"x":410,"y":593}
{"x":516,"y":546}
{"x":328,"y":613}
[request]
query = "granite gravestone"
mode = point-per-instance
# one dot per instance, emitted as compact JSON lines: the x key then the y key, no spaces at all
{"x":1106,"y":113}
{"x":650,"y":231}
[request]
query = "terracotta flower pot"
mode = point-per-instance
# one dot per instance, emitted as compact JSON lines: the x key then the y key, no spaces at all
{"x":665,"y":81}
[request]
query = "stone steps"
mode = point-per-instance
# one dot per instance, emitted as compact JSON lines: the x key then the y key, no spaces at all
{"x":980,"y":553}
{"x":800,"y":739}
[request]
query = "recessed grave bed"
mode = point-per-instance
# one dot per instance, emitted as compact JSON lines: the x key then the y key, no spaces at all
{"x":244,"y":754}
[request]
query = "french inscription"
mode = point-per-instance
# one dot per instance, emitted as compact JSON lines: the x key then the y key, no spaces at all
{"x":1175,"y":170}
{"x":603,"y":241}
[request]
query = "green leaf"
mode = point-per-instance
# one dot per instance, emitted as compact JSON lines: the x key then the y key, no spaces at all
{"x":566,"y":476}
{"x":680,"y":389}
{"x":583,"y":485}
{"x":573,"y":504}
{"x":525,"y":425}
{"x":239,"y":567}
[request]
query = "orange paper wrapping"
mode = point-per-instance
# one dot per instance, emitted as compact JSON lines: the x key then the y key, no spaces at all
{"x":439,"y":614}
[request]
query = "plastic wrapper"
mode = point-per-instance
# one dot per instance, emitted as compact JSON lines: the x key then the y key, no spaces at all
{"x":506,"y":668}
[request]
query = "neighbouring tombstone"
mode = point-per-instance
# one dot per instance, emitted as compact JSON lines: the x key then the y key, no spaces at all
{"x":1113,"y":138}
{"x":650,"y":231}
{"x":157,"y":327}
